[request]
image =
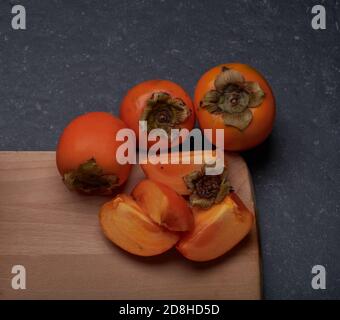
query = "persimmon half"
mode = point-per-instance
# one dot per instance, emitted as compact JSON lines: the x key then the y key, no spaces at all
{"x":179,"y":166}
{"x":160,"y":104}
{"x":237,"y":99}
{"x":86,"y":154}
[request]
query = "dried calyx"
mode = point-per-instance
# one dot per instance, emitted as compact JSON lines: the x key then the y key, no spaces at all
{"x":207,"y":190}
{"x":164,"y":112}
{"x":89,"y":178}
{"x":232,"y":98}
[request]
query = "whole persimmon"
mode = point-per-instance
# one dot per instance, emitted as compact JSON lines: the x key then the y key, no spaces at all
{"x":86,"y":154}
{"x":160,"y":104}
{"x":236,"y":98}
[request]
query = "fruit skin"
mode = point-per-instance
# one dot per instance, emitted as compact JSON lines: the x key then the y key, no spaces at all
{"x":163,"y":205}
{"x":92,"y":135}
{"x":217,"y":230}
{"x":127,"y":226}
{"x":172,"y":174}
{"x":263,"y":115}
{"x":135,"y":100}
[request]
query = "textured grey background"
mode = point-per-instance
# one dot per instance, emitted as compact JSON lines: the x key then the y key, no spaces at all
{"x":78,"y":56}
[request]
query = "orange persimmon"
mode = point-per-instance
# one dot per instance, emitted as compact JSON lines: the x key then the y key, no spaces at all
{"x":162,"y":104}
{"x":86,"y":154}
{"x":217,"y":230}
{"x":236,"y":98}
{"x":127,"y":226}
{"x":172,"y":174}
{"x":163,"y":205}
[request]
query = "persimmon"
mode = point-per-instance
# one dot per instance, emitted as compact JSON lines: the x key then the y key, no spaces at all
{"x":236,"y":98}
{"x":175,"y":175}
{"x":161,"y":104}
{"x":146,"y":223}
{"x":217,"y":230}
{"x":86,"y":154}
{"x":163,"y":205}
{"x":129,"y":227}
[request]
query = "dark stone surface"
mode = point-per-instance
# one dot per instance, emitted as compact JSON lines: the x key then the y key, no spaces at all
{"x":78,"y":56}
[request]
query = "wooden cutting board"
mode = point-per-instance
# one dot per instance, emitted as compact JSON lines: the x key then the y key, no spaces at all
{"x":55,"y":235}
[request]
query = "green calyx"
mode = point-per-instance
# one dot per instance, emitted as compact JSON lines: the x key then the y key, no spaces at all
{"x":232,"y":98}
{"x":164,"y":112}
{"x":207,"y":190}
{"x":89,"y":178}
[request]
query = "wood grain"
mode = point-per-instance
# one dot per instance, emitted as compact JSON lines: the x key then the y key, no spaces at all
{"x":55,"y":234}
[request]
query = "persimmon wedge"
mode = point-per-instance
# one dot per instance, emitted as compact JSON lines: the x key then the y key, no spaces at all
{"x":172,"y":174}
{"x":127,"y":226}
{"x":163,"y":205}
{"x":217,"y":230}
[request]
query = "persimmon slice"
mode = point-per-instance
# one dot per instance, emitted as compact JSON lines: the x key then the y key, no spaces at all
{"x":217,"y":230}
{"x":163,"y":205}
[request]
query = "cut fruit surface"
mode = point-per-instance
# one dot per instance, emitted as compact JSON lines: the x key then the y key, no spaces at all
{"x":163,"y":205}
